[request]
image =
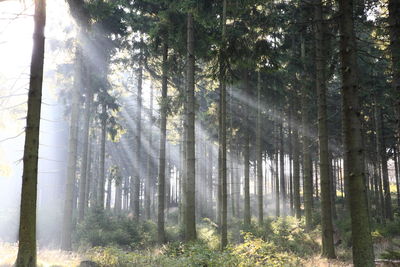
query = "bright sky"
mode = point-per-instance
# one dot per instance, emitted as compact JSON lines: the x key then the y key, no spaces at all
{"x":16,"y":27}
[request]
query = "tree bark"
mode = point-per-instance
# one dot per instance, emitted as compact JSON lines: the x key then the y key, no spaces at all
{"x":101,"y":184}
{"x":149,"y":176}
{"x":138,"y":145}
{"x":27,"y":229}
{"x":163,"y":131}
{"x":222,"y":138}
{"x":190,"y":190}
{"x":72,"y":154}
{"x":307,"y":162}
{"x":363,"y":255}
{"x":85,"y":155}
{"x":259,"y":155}
{"x":328,"y":249}
{"x":246,"y":212}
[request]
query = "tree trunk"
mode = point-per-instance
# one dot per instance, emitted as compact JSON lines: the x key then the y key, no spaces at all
{"x":396,"y":165}
{"x":190,"y":190}
{"x":222,"y":139}
{"x":282,"y":167}
{"x":382,"y":159}
{"x":307,"y":162}
{"x":363,"y":254}
{"x":101,"y":184}
{"x":108,"y":199}
{"x":85,"y":155}
{"x":149,"y":176}
{"x":260,"y":202}
{"x":394,"y":31}
{"x":27,"y":228}
{"x":138,"y":145}
{"x":163,"y":134}
{"x":296,"y":173}
{"x":328,"y":250}
{"x":247,"y":214}
{"x":118,"y":194}
{"x":72,"y":154}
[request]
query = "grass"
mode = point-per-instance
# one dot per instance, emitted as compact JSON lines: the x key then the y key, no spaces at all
{"x":46,"y":257}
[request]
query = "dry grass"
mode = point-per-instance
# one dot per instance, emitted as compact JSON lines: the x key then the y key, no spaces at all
{"x":46,"y":258}
{"x":317,"y":261}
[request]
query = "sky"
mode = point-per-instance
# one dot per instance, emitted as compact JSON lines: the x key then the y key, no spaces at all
{"x":16,"y":28}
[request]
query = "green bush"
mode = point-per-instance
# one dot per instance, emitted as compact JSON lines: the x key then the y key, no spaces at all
{"x":102,"y":229}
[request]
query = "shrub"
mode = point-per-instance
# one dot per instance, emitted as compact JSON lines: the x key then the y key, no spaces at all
{"x":102,"y":229}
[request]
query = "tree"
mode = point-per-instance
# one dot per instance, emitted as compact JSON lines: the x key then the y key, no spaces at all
{"x":328,"y":249}
{"x":163,"y":129}
{"x":222,"y":137}
{"x":190,"y":188}
{"x":363,"y":255}
{"x":27,"y":228}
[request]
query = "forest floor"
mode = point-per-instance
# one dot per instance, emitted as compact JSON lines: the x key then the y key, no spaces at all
{"x":279,"y":243}
{"x":50,"y":258}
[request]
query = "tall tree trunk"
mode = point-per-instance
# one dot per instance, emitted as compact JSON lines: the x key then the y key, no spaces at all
{"x":290,"y":144}
{"x":260,"y":202}
{"x":163,"y":131}
{"x":85,"y":155}
{"x":296,"y":173}
{"x":396,"y":165}
{"x":72,"y":154}
{"x":247,"y":213}
{"x":328,"y":250}
{"x":282,"y":167}
{"x":102,"y":181}
{"x":149,"y":176}
{"x":222,"y":137}
{"x":108,"y":199}
{"x":118,"y":194}
{"x":307,"y":162}
{"x":190,"y":190}
{"x":363,"y":254}
{"x":382,"y":159}
{"x":27,"y":228}
{"x":394,"y":31}
{"x":138,"y":145}
{"x":89,"y":177}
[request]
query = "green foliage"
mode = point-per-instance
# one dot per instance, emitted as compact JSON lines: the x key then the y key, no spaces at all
{"x":287,"y":234}
{"x":257,"y":252}
{"x":390,"y":254}
{"x":101,"y":229}
{"x":391,"y":228}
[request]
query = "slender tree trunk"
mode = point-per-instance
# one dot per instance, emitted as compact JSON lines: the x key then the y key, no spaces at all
{"x":89,"y":177}
{"x":163,"y":130}
{"x":282,"y":168}
{"x":259,"y":154}
{"x":396,"y":165}
{"x":382,"y":159}
{"x":190,"y":190}
{"x":101,"y":184}
{"x":27,"y":229}
{"x":147,"y":199}
{"x":394,"y":31}
{"x":290,"y":144}
{"x":363,"y":254}
{"x":328,"y":250}
{"x":72,"y":154}
{"x":222,"y":139}
{"x":108,"y":199}
{"x":247,"y":213}
{"x":138,"y":145}
{"x":85,"y":155}
{"x":307,"y":162}
{"x":296,"y":174}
